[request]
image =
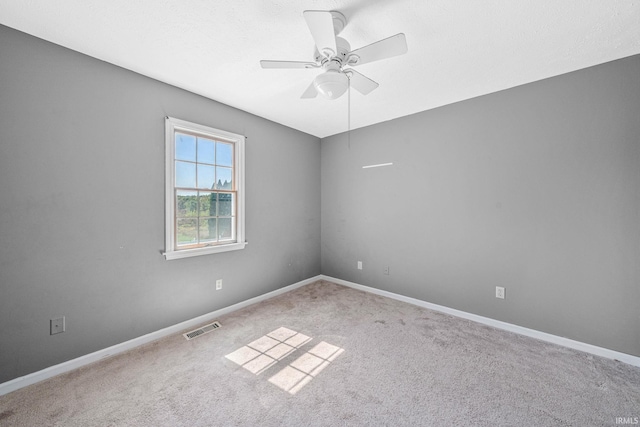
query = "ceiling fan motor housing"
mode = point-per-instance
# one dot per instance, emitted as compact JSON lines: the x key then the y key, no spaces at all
{"x":333,"y":83}
{"x":343,"y":48}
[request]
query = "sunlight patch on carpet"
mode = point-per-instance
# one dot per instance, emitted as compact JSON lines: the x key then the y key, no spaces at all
{"x":259,"y":355}
{"x":306,"y":367}
{"x":265,"y":352}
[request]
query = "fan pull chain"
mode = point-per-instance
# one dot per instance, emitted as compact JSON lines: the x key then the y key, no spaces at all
{"x":349,"y":115}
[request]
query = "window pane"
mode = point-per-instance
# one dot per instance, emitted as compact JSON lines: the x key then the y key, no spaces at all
{"x":185,"y":174}
{"x":206,"y":151}
{"x":206,"y":176}
{"x":224,"y":154}
{"x":225,"y":204}
{"x":224,"y":229}
{"x":207,"y":204}
{"x":186,"y":204}
{"x":185,"y":147}
{"x":224,"y":178}
{"x":204,"y":207}
{"x":207,"y":230}
{"x":186,"y":231}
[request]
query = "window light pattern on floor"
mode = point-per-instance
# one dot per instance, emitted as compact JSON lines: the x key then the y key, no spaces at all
{"x":268,"y":350}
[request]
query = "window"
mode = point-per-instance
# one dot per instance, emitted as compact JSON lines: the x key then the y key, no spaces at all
{"x":204,"y":190}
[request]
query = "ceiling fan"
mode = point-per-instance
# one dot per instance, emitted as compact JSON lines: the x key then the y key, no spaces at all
{"x":333,"y":54}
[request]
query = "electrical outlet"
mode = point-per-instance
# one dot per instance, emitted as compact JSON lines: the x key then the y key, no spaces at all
{"x":57,"y":325}
{"x":359,"y":265}
{"x":499,"y":292}
{"x":386,"y":271}
{"x":218,"y":284}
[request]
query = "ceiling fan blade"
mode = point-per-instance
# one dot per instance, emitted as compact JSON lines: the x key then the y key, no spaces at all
{"x":321,"y":26}
{"x":386,"y":48}
{"x":311,"y":92}
{"x":361,"y":83}
{"x":288,"y":64}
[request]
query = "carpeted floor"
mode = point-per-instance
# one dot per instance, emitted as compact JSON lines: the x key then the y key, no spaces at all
{"x":327,"y":355}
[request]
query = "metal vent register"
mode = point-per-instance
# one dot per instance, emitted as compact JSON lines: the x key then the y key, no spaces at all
{"x":201,"y":331}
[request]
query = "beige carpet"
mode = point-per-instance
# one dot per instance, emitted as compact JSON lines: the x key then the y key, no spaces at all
{"x":327,"y":355}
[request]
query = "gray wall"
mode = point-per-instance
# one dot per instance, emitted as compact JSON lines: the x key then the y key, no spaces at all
{"x":536,"y":189}
{"x":82,"y":207}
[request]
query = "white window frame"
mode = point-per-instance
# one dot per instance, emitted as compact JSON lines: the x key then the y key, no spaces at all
{"x":173,"y":125}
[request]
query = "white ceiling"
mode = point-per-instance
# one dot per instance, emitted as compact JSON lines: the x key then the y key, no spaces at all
{"x":457,"y":49}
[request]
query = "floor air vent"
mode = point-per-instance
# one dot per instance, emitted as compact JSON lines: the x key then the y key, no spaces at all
{"x":201,"y":331}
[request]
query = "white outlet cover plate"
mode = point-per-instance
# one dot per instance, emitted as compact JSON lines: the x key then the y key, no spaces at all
{"x":57,"y":325}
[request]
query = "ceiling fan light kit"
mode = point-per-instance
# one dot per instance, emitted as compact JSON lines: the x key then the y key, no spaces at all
{"x":331,"y":84}
{"x":333,"y":54}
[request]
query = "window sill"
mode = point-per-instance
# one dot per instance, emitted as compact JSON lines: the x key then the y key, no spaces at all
{"x":188,"y":253}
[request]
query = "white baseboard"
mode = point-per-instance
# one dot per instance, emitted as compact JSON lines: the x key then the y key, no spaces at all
{"x":543,"y":336}
{"x":70,"y":365}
